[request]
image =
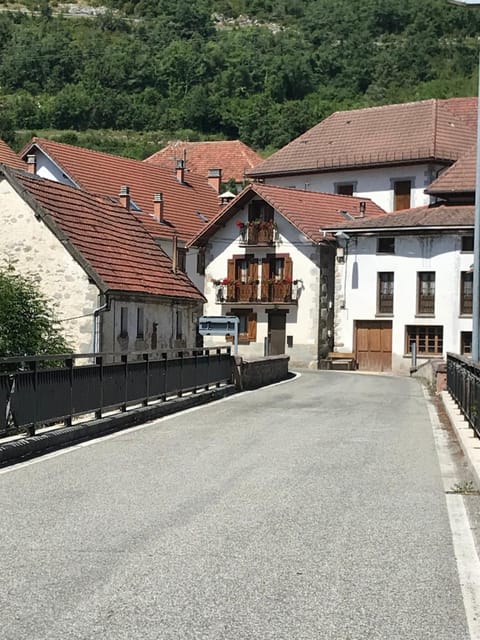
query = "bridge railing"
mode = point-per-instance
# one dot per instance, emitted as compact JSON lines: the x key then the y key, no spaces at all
{"x":39,"y":390}
{"x":463,"y":383}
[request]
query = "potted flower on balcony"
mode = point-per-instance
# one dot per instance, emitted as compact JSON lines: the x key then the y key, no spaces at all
{"x":242,"y":227}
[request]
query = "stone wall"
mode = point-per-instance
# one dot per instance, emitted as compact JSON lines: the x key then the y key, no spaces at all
{"x":258,"y":373}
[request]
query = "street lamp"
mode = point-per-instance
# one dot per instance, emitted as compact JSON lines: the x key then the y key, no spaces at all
{"x":476,"y":232}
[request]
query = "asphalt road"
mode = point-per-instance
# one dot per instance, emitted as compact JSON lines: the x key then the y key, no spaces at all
{"x":309,"y":510}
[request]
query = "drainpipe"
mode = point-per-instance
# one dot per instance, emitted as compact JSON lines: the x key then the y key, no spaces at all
{"x":96,"y":324}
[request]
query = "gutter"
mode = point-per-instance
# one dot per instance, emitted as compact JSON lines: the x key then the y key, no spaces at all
{"x":96,"y":323}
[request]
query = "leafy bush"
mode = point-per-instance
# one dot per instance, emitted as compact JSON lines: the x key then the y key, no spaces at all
{"x":27,"y":322}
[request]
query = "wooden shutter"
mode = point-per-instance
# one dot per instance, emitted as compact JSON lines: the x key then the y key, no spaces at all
{"x":265,"y":277}
{"x":288,"y":269}
{"x":253,"y":269}
{"x":402,"y":189}
{"x":231,"y":276}
{"x":252,"y":326}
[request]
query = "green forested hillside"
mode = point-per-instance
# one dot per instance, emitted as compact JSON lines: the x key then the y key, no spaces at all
{"x":195,"y":69}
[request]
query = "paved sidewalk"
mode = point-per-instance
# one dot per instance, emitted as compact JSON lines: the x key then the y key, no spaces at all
{"x":469,"y":443}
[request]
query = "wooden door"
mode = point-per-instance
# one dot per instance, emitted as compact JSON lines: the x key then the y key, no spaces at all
{"x":276,"y":332}
{"x":373,"y":345}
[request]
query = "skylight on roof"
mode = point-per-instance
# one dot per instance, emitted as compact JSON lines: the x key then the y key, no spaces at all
{"x":134,"y":205}
{"x":202,"y":217}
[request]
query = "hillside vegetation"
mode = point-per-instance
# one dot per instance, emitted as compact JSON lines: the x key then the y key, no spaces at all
{"x":262,"y":70}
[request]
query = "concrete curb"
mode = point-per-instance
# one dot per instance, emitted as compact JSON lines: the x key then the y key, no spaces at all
{"x":468,"y":441}
{"x":20,"y":450}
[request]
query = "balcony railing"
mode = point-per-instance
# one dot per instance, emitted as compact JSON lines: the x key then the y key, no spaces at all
{"x":256,"y":292}
{"x":258,"y":233}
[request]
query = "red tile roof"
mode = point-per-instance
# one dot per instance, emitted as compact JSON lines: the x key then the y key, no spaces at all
{"x":102,"y":173}
{"x":459,"y":178}
{"x":433,"y":216}
{"x":309,"y":211}
{"x":391,"y":134}
{"x":233,"y":157}
{"x":9,"y":157}
{"x":465,"y":108}
{"x":119,"y":253}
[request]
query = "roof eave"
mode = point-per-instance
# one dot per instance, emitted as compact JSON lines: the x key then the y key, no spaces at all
{"x":348,"y":167}
{"x":415,"y":228}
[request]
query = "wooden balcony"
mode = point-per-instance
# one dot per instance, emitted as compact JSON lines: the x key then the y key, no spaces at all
{"x":263,"y":233}
{"x":264,"y":293}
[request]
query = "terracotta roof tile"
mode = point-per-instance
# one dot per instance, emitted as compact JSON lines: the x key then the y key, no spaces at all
{"x":453,"y":216}
{"x":391,"y":134}
{"x":309,"y":211}
{"x":233,"y":157}
{"x":10,"y":158}
{"x":104,"y":174}
{"x":116,"y":246}
{"x":459,"y":178}
{"x":464,"y":108}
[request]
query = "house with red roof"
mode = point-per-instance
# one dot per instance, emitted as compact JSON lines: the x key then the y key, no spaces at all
{"x":269,"y":263}
{"x":232,"y":157}
{"x":390,"y":153}
{"x":404,"y":286}
{"x":112,"y":286}
{"x":172,"y":204}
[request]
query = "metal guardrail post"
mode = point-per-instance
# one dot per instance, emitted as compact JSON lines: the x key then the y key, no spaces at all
{"x":69,"y":365}
{"x":99,"y":361}
{"x":219,"y":355}
{"x":207,"y":353}
{"x":165,"y":378}
{"x":32,"y":427}
{"x":147,"y":379}
{"x":181,"y":356}
{"x":125,"y":377}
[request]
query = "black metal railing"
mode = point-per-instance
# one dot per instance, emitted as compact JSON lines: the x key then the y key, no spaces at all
{"x":36,"y":393}
{"x":463,"y":383}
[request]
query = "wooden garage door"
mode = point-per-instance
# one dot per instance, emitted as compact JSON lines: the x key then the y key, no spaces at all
{"x":373,"y":342}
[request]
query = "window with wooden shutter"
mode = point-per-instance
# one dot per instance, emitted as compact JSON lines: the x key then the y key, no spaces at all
{"x":247,"y":330}
{"x":201,"y":261}
{"x":402,"y":190}
{"x":288,"y":269}
{"x":426,"y":293}
{"x":466,"y":293}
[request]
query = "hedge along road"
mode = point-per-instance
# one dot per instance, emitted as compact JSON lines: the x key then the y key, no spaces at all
{"x":310,"y":509}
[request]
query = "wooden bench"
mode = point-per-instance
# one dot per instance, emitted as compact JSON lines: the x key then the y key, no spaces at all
{"x":339,"y":361}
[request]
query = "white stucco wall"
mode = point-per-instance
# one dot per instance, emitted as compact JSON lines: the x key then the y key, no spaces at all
{"x":301,"y":319}
{"x":375,"y":183}
{"x":161,"y":313}
{"x":438,"y":253}
{"x":34,"y":249}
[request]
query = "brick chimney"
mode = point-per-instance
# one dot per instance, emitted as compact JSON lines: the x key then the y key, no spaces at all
{"x":362,"y":207}
{"x":215,"y":179}
{"x":180,"y":171}
{"x":124,"y":196}
{"x":158,"y":206}
{"x":32,"y":163}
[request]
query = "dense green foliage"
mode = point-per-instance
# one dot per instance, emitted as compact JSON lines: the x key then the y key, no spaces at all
{"x":174,"y":65}
{"x":27,"y":325}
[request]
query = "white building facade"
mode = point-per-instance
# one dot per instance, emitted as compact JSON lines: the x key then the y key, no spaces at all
{"x":404,"y":292}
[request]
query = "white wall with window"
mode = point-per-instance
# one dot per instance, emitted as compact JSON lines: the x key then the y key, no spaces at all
{"x":421,"y":284}
{"x":387,"y":186}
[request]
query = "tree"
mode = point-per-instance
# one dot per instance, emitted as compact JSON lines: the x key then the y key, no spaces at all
{"x":27,"y":323}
